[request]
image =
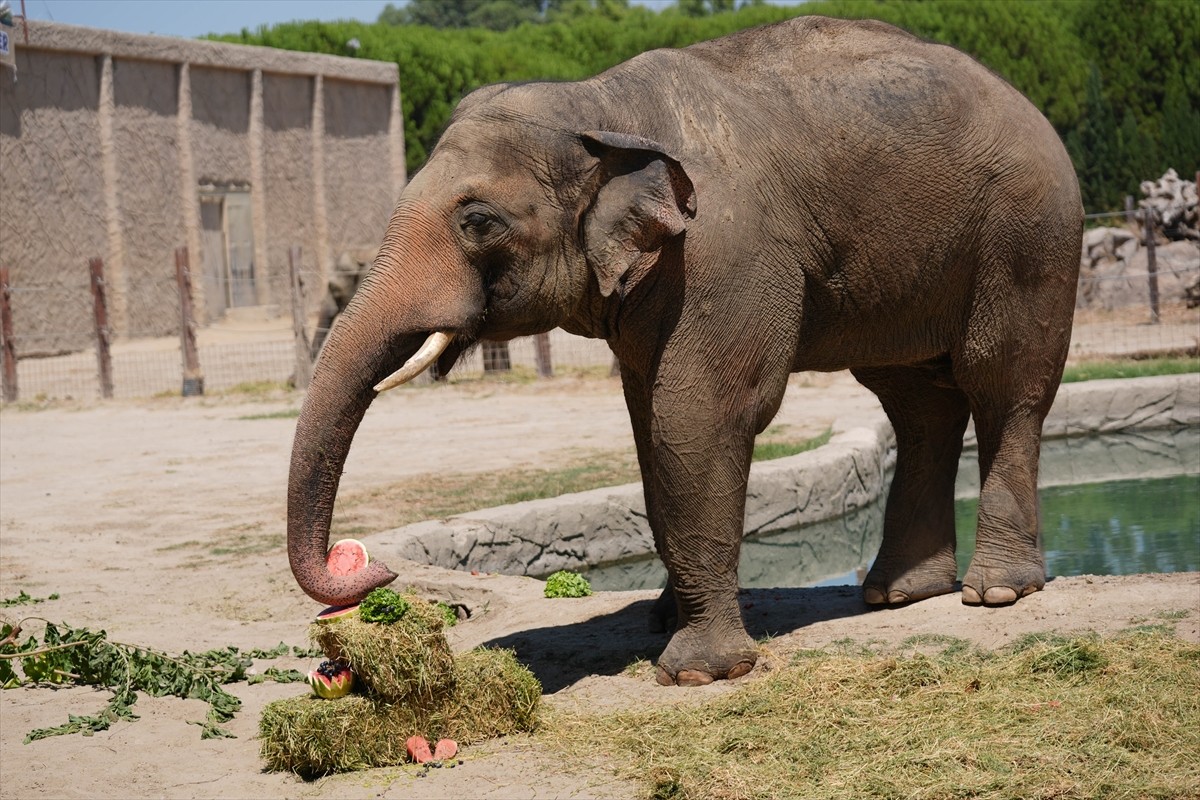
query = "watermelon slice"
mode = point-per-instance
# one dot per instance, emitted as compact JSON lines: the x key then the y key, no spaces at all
{"x":418,"y":749}
{"x":346,"y":557}
{"x":445,"y":749}
{"x":336,"y":613}
{"x":331,"y":680}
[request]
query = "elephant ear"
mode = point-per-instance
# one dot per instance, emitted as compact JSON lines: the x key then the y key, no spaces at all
{"x":644,"y":200}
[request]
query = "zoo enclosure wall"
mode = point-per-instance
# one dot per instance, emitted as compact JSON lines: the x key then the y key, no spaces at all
{"x":257,"y":346}
{"x":125,"y":147}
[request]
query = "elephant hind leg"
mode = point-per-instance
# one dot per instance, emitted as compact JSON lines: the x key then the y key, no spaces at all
{"x":929,"y":414}
{"x":1008,"y":562}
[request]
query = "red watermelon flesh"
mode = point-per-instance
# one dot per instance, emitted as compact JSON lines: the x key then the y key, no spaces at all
{"x":347,"y":557}
{"x":331,"y":680}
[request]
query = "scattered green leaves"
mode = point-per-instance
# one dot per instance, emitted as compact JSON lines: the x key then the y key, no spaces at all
{"x":382,"y":606}
{"x":449,"y":615}
{"x":89,"y":658}
{"x":565,"y":583}
{"x":24,"y":599}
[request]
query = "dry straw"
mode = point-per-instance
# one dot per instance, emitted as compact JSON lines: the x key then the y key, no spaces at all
{"x":411,"y":684}
{"x":493,"y":695}
{"x":405,"y":660}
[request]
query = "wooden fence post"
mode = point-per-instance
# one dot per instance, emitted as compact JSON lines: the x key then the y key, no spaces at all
{"x":9,"y":346}
{"x":304,"y":363}
{"x":103,"y":336}
{"x":1148,"y":217}
{"x":495,"y":357}
{"x":541,"y":354}
{"x":193,"y":378}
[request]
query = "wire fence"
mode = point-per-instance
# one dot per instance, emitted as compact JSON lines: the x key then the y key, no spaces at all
{"x":63,"y":355}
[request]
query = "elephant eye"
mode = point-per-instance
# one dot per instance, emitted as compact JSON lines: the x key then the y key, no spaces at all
{"x":480,"y":224}
{"x":477,"y":220}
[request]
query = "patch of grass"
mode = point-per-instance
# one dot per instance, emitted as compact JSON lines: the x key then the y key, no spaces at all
{"x":1129,"y":368}
{"x":1177,"y":614}
{"x":246,"y":544}
{"x":766,"y":449}
{"x":423,"y":497}
{"x":1059,"y":717}
{"x":285,"y":413}
{"x":256,"y":388}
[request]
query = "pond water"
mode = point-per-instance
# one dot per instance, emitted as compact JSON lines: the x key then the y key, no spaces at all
{"x":1118,"y":504}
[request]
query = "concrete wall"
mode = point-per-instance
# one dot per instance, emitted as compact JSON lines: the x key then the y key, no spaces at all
{"x":846,"y":476}
{"x":108,"y":140}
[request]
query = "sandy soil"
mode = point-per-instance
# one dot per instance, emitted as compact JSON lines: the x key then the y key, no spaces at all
{"x":162,"y":523}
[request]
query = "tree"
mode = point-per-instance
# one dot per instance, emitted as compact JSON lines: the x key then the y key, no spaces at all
{"x":703,"y":8}
{"x":1093,"y":147}
{"x":1180,"y":148}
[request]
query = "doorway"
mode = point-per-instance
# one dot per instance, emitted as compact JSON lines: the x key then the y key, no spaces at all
{"x":227,"y":247}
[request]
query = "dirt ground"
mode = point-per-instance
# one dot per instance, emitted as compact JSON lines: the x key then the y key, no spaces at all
{"x":162,"y":522}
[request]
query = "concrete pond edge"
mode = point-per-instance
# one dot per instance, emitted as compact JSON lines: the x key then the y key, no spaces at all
{"x":609,"y":524}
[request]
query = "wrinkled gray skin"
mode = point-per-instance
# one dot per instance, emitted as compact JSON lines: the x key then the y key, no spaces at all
{"x":814,"y":195}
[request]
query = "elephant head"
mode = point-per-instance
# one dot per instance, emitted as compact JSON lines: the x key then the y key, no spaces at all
{"x":519,"y":222}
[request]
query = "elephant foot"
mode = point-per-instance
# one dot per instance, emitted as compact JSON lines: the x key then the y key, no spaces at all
{"x":1001,"y":585}
{"x":892,"y":583}
{"x":698,"y":659}
{"x":664,"y":614}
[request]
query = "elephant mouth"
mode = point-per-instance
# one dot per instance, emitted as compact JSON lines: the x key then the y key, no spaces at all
{"x":430,"y":350}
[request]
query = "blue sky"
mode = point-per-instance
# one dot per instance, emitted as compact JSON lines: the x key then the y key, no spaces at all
{"x":193,"y":18}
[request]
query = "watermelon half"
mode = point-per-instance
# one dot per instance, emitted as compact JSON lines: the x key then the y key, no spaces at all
{"x":331,"y":680}
{"x":346,"y":557}
{"x":337,"y":613}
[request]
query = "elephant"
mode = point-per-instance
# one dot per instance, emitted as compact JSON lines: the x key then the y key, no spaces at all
{"x":347,"y":273}
{"x":817,"y":194}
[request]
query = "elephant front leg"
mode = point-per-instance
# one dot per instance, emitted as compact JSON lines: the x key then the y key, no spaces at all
{"x":700,"y":467}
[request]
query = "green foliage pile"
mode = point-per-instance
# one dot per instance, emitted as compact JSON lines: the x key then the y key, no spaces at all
{"x":411,"y":684}
{"x":1050,"y":716}
{"x":565,"y":583}
{"x":383,"y":605}
{"x":1119,"y":79}
{"x":78,"y":656}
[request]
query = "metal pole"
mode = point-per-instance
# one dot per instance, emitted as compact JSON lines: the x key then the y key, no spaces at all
{"x":103,"y":335}
{"x":9,"y":348}
{"x":193,"y":378}
{"x":303,"y":347}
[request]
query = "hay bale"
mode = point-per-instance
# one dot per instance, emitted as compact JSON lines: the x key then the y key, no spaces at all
{"x":406,"y":660}
{"x":493,"y":695}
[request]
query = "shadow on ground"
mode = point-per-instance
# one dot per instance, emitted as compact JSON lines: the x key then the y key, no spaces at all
{"x":561,"y":655}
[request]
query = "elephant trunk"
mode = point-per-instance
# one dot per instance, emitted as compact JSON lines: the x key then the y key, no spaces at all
{"x":397,"y":308}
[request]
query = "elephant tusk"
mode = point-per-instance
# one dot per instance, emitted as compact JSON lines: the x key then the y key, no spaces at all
{"x":437,"y":342}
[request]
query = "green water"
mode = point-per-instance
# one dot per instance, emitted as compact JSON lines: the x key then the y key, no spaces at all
{"x":1119,"y":504}
{"x":1113,"y":528}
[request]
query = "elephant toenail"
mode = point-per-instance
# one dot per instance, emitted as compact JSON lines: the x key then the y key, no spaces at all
{"x":970,"y":596}
{"x":739,"y":669}
{"x":691,"y":677}
{"x":664,"y":678}
{"x":896,"y":597}
{"x":999,"y":595}
{"x":873,"y":596}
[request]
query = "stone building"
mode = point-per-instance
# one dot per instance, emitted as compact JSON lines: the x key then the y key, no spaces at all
{"x":126,"y":147}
